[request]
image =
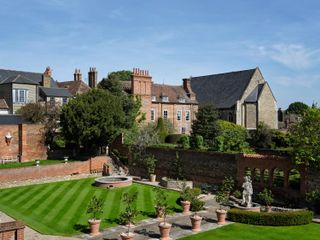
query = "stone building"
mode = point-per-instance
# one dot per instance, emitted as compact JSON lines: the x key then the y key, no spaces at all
{"x":242,"y":97}
{"x":177,"y":104}
{"x":78,"y":86}
{"x":18,"y":88}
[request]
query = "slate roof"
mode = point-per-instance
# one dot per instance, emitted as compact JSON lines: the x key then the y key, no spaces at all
{"x":74,"y":87}
{"x":18,"y":79}
{"x":254,"y":95}
{"x":54,"y":92}
{"x":223,"y":90}
{"x":3,"y":104}
{"x":35,"y":77}
{"x":11,"y":119}
{"x":174,"y":93}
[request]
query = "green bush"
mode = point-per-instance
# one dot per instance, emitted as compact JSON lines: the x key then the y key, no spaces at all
{"x":58,"y":142}
{"x":197,"y":142}
{"x":162,"y":130}
{"x":173,"y":138}
{"x":280,"y":139}
{"x":185,"y":142}
{"x":262,"y":136}
{"x":288,"y":218}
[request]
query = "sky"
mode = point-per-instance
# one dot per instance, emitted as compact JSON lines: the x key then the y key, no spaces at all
{"x":173,"y":39}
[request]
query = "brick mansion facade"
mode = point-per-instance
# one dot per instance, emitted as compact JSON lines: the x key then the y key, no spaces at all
{"x":176,"y":104}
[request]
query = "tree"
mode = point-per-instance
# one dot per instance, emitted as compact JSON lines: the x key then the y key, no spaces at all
{"x":297,"y":108}
{"x":205,"y":125}
{"x":130,"y":104}
{"x":33,"y":112}
{"x":231,"y":138}
{"x":305,"y":138}
{"x":92,"y":119}
{"x":262,"y":136}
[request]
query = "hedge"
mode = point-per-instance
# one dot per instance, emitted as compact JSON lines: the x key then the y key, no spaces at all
{"x":173,"y":138}
{"x":288,"y":218}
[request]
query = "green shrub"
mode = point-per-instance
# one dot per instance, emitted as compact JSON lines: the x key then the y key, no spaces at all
{"x":289,"y":218}
{"x":313,"y":198}
{"x":262,"y":136}
{"x":173,"y":138}
{"x":162,"y":130}
{"x":185,"y":142}
{"x":197,"y":142}
{"x":280,"y":139}
{"x":58,"y":142}
{"x":266,"y":197}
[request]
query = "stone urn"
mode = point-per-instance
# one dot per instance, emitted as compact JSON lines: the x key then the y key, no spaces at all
{"x":185,"y":207}
{"x":165,"y":230}
{"x":152,"y":177}
{"x":127,"y":236}
{"x":160,"y":212}
{"x":94,"y":226}
{"x":196,"y":222}
{"x":221,"y":216}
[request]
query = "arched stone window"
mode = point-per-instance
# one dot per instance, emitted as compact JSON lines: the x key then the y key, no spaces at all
{"x":278,"y":178}
{"x":257,"y":175}
{"x":294,"y":179}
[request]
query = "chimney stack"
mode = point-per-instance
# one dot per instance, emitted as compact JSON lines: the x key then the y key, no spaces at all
{"x":46,"y":77}
{"x":188,"y":89}
{"x":92,"y":77}
{"x":77,"y":76}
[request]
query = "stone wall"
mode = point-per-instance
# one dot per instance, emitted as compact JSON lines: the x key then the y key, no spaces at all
{"x":12,"y":230}
{"x":71,"y":168}
{"x":267,"y":108}
{"x":27,"y":142}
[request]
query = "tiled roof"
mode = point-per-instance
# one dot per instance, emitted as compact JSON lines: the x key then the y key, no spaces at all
{"x":254,"y":95}
{"x":174,"y":93}
{"x":11,"y":119}
{"x":75,"y":87}
{"x":223,"y":90}
{"x":19,"y":79}
{"x":54,"y":92}
{"x":3,"y":104}
{"x":36,"y":77}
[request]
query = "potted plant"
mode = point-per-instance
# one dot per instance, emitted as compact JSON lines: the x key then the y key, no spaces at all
{"x":151,"y":166}
{"x":266,"y":197}
{"x":128,"y":215}
{"x":222,"y":199}
{"x":95,"y":209}
{"x":164,"y":226}
{"x":196,"y":205}
{"x":186,"y":198}
{"x":160,"y":202}
{"x":227,"y":185}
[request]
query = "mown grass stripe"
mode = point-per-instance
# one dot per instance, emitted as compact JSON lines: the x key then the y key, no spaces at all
{"x":54,"y":201}
{"x":69,"y":199}
{"x":116,"y":207}
{"x":148,"y":199}
{"x":109,"y":203}
{"x":17,"y":192}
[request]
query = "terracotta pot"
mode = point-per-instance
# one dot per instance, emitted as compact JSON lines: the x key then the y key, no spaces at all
{"x":164,"y":231}
{"x":94,"y":226}
{"x":127,"y":236}
{"x":196,"y":223}
{"x":152,"y":177}
{"x":185,"y":207}
{"x":160,"y":212}
{"x":221,"y":215}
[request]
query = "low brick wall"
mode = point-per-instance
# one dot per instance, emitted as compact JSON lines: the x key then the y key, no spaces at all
{"x":200,"y":167}
{"x":29,"y":173}
{"x":12,"y":230}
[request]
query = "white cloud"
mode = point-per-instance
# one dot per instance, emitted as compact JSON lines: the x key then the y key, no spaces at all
{"x":294,"y":56}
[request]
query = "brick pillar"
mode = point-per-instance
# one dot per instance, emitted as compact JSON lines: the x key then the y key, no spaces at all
{"x":12,"y":230}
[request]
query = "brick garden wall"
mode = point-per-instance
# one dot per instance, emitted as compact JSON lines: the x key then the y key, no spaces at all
{"x":27,"y":142}
{"x":212,"y":167}
{"x":28,"y":173}
{"x":12,"y":230}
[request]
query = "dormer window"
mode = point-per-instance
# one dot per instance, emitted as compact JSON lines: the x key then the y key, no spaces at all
{"x":182,"y":100}
{"x":153,"y":98}
{"x":165,"y":99}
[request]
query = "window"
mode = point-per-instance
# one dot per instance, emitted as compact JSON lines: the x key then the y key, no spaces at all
{"x":165,"y":114}
{"x":153,"y":115}
{"x":179,"y":114}
{"x":64,"y":101}
{"x":165,"y":99}
{"x":153,"y":98}
{"x":20,"y":95}
{"x":182,"y":100}
{"x":187,"y":115}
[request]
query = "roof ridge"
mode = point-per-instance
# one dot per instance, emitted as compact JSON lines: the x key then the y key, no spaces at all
{"x":223,"y":73}
{"x":19,"y":71}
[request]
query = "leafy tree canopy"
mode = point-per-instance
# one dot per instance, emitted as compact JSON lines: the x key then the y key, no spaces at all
{"x":93,"y":119}
{"x":33,"y":112}
{"x":262,"y":136}
{"x":113,"y":81}
{"x":305,"y":138}
{"x":205,"y":125}
{"x":297,"y":108}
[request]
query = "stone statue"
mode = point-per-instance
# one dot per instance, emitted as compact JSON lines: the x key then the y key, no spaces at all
{"x":247,"y":192}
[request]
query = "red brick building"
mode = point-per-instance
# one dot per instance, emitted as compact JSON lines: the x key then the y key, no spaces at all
{"x":175,"y":103}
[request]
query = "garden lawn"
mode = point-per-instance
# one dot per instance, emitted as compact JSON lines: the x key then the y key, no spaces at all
{"x":60,"y":208}
{"x":28,"y":164}
{"x":238,"y":231}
